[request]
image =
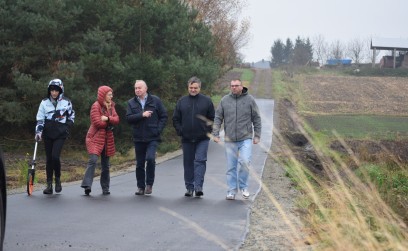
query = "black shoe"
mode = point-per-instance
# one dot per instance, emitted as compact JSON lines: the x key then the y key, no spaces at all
{"x":149,"y":189}
{"x":199,"y":193}
{"x":87,"y":190}
{"x":105,"y":192}
{"x":58,"y":187}
{"x":48,"y":189}
{"x":140,"y":191}
{"x":189,"y":193}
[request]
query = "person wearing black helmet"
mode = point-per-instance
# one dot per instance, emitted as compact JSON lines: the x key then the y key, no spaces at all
{"x":54,"y":118}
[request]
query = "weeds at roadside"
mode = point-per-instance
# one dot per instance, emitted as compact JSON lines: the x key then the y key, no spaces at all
{"x":23,"y":166}
{"x":344,"y":212}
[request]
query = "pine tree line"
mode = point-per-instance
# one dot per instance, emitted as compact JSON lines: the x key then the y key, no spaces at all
{"x":289,"y":53}
{"x":90,"y":43}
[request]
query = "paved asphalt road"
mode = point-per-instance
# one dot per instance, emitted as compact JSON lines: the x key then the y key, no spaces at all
{"x":166,"y":220}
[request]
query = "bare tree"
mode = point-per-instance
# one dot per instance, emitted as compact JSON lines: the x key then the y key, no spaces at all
{"x":355,"y":50}
{"x":336,"y":50}
{"x":222,"y":16}
{"x":320,"y":48}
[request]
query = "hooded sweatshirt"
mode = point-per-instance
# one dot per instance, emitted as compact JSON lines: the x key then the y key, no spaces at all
{"x":240,"y":115}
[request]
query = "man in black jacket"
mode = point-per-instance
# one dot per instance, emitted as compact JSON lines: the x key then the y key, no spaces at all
{"x":148,"y":117}
{"x":192,"y":119}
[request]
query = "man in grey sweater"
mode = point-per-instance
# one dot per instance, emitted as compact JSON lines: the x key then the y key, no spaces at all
{"x":242,"y":126}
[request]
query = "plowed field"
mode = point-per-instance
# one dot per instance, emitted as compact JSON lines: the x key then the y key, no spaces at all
{"x":356,"y":95}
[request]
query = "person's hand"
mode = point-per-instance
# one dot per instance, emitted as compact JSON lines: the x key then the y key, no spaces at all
{"x":256,"y":140}
{"x":37,"y":137}
{"x":216,"y":139}
{"x":147,"y":114}
{"x":104,"y":118}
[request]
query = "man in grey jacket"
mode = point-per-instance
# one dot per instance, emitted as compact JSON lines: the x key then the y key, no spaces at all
{"x":242,"y":126}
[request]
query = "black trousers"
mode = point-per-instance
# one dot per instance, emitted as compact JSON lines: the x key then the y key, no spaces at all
{"x":53,"y":149}
{"x":145,"y":163}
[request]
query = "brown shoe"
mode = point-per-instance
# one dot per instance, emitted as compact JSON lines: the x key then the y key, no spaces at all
{"x":140,"y":191}
{"x":149,"y":189}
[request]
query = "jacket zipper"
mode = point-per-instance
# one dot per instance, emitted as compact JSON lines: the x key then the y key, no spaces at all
{"x":236,"y":118}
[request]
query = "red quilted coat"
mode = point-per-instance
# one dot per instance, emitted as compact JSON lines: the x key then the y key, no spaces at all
{"x":97,"y":136}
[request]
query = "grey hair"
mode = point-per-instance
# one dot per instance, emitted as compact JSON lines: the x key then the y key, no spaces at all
{"x":193,"y":80}
{"x":140,"y":81}
{"x":137,"y":81}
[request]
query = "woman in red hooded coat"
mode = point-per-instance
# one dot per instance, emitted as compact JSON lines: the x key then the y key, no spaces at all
{"x":99,"y":139}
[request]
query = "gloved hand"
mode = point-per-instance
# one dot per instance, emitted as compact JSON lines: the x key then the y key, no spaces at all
{"x":38,"y":136}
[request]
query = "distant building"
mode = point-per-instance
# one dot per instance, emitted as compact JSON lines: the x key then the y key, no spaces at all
{"x":394,"y":45}
{"x":400,"y":61}
{"x":263,"y":64}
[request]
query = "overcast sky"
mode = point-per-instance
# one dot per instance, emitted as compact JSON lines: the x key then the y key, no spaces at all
{"x":342,"y":20}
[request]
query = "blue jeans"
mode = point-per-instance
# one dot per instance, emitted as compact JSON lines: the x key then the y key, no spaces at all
{"x":238,"y":161}
{"x":195,"y":163}
{"x":145,"y":157}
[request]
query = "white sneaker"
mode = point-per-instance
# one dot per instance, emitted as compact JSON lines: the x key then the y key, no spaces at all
{"x":245,"y":193}
{"x":230,"y":196}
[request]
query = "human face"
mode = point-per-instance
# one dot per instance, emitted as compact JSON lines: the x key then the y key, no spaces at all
{"x":140,"y":89}
{"x":54,"y":94}
{"x":236,"y":87}
{"x":108,"y":97}
{"x":194,"y":89}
